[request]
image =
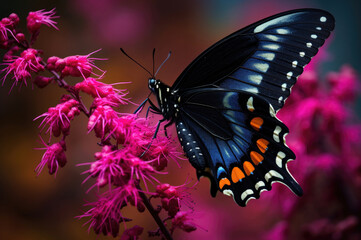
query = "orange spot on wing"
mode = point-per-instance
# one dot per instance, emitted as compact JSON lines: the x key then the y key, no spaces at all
{"x":248,"y":167}
{"x":224,"y":181}
{"x":237,"y":174}
{"x":262,"y":144}
{"x":256,"y":157}
{"x":256,"y":123}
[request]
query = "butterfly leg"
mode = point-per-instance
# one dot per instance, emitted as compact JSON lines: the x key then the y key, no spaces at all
{"x":154,"y":136}
{"x":152,"y":110}
{"x":140,"y":107}
{"x":165,"y":127}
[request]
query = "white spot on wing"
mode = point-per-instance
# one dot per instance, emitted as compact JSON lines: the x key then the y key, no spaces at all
{"x":319,"y":28}
{"x":294,"y":64}
{"x":323,"y":19}
{"x":251,"y":90}
{"x":267,"y":56}
{"x":263,"y":67}
{"x":282,"y":31}
{"x":267,"y":176}
{"x":250,"y":106}
{"x":227,"y":100}
{"x":259,"y":184}
{"x":228,"y":192}
{"x":276,"y":133}
{"x":314,"y":36}
{"x":276,"y":174}
{"x":284,"y":86}
{"x":271,"y":46}
{"x":280,"y":99}
{"x":246,"y":193}
{"x":272,"y":37}
{"x":284,"y":138}
{"x":309,"y":44}
{"x":272,"y":173}
{"x":302,"y":54}
{"x":272,"y":111}
{"x":289,"y":75}
{"x":255,"y":78}
{"x":280,"y":156}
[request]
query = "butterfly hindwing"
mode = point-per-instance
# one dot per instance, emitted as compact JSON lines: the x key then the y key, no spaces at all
{"x":250,"y":157}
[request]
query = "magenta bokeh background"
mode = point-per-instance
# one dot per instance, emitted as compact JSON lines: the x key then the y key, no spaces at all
{"x":44,"y":208}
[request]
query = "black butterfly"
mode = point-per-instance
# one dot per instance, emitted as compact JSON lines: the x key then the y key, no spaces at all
{"x":224,"y":104}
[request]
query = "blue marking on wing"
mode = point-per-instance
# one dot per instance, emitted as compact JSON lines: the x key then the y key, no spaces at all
{"x":220,"y":171}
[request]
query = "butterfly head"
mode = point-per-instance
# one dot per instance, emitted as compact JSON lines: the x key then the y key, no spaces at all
{"x":153,"y":84}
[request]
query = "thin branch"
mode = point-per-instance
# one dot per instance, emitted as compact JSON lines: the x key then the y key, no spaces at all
{"x":154,"y":214}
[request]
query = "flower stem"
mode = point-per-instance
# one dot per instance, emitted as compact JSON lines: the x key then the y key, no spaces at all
{"x":154,"y":214}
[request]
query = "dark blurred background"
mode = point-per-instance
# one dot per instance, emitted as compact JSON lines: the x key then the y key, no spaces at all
{"x":44,"y":207}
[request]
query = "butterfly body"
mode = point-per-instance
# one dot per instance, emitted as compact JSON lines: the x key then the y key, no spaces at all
{"x":166,"y":99}
{"x":224,"y":104}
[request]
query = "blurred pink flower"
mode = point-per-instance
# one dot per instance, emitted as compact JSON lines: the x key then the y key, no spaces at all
{"x":278,"y":232}
{"x":42,"y":81}
{"x":326,"y":229}
{"x":38,"y":18}
{"x":184,"y":221}
{"x":132,"y":233}
{"x":344,"y":84}
{"x":115,"y":22}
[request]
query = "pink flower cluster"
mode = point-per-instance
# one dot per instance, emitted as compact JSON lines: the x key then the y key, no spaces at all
{"x":325,"y":135}
{"x":75,"y":66}
{"x":123,"y":138}
{"x":21,"y":67}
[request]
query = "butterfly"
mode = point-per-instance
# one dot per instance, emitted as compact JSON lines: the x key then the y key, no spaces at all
{"x":224,"y":103}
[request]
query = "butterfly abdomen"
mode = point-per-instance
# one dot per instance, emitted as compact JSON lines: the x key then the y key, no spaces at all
{"x":190,"y":146}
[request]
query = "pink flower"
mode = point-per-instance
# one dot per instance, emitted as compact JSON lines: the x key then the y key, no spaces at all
{"x":58,"y":118}
{"x":76,"y":66}
{"x":42,"y":81}
{"x":102,"y":120}
{"x":54,"y":157}
{"x":182,"y":220}
{"x":97,"y":89}
{"x":38,"y":18}
{"x":344,"y":84}
{"x":161,"y":151}
{"x":136,"y":167}
{"x":7,"y":25}
{"x":327,"y":229}
{"x":9,"y":55}
{"x":21,"y":67}
{"x":106,"y":168}
{"x":132,"y":233}
{"x":105,"y":215}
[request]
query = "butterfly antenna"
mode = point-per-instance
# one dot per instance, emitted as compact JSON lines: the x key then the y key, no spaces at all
{"x":121,"y":49}
{"x":153,"y":60}
{"x":163,"y":63}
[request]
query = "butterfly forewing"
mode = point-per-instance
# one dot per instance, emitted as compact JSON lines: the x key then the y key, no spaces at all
{"x":264,"y":58}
